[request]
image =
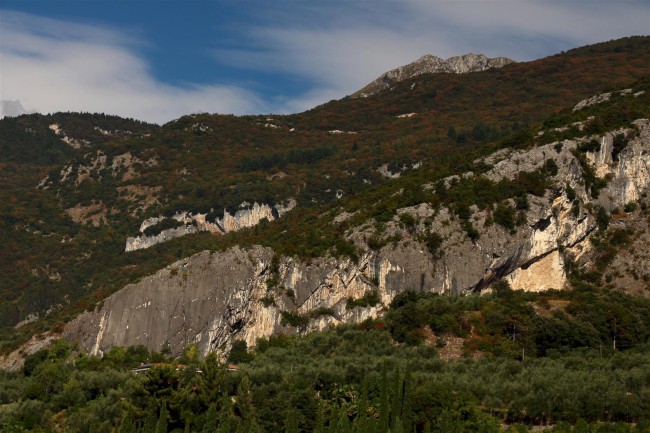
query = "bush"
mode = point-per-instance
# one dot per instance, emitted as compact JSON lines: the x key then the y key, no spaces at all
{"x":504,"y":215}
{"x":167,"y":223}
{"x":267,"y":300}
{"x":239,"y":353}
{"x":602,"y":218}
{"x":294,"y":319}
{"x":370,"y":299}
{"x":433,"y":241}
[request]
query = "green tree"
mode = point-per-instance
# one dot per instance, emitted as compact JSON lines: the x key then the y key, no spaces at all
{"x":128,"y":422}
{"x":291,"y":421}
{"x":151,"y":420}
{"x":244,"y":408}
{"x":384,"y":408}
{"x":161,"y":425}
{"x":211,"y":422}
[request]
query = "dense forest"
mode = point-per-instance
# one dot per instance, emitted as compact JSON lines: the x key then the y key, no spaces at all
{"x":573,"y":361}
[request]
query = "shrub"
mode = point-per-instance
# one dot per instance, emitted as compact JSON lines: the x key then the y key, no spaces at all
{"x":167,"y":223}
{"x":504,"y":215}
{"x":370,"y":299}
{"x":267,"y":300}
{"x":433,"y":241}
{"x":294,"y":319}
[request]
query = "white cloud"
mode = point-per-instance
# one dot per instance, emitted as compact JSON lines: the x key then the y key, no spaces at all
{"x":342,"y":46}
{"x":528,"y":29}
{"x":336,"y":47}
{"x":50,"y":65}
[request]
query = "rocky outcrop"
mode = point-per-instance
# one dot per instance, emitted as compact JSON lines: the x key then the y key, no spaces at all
{"x":628,"y":171}
{"x":193,"y":223}
{"x":212,"y":299}
{"x":123,"y":167}
{"x":252,"y":216}
{"x":14,"y":361}
{"x":604,"y":97}
{"x":429,"y":64}
{"x":72,"y":142}
{"x":144,"y":241}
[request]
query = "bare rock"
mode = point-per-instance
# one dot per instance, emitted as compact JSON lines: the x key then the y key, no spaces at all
{"x":429,"y":64}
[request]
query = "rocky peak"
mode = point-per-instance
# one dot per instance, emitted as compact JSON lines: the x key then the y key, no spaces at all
{"x":429,"y":64}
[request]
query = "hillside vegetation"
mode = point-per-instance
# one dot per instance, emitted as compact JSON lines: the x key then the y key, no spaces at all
{"x":544,"y":359}
{"x":66,"y":237}
{"x":76,"y":186}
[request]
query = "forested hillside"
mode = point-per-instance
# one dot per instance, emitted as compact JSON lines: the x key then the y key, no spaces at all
{"x":565,"y":362}
{"x":356,"y":265}
{"x":77,"y":186}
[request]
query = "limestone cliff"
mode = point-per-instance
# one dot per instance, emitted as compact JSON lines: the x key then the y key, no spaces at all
{"x":429,"y":64}
{"x":212,"y":299}
{"x":192,"y":223}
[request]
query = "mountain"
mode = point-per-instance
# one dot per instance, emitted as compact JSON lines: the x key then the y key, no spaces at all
{"x":11,"y":108}
{"x":215,"y":229}
{"x":524,"y":216}
{"x":429,"y":64}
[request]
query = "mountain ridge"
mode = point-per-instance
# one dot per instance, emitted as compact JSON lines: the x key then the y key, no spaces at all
{"x":430,"y":64}
{"x":67,"y":226}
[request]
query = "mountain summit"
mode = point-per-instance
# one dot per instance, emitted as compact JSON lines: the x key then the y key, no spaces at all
{"x":429,"y":64}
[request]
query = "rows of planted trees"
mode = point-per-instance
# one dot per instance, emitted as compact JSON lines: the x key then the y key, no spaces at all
{"x":556,"y":368}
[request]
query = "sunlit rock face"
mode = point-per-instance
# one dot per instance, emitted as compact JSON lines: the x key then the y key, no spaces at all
{"x":213,"y":299}
{"x":429,"y":64}
{"x":193,"y":223}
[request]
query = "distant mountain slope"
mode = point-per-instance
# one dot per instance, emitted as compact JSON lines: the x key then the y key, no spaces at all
{"x":429,"y":64}
{"x":55,"y":138}
{"x":210,"y":182}
{"x":534,"y":214}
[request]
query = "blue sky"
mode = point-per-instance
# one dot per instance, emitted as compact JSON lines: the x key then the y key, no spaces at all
{"x":156,"y":60}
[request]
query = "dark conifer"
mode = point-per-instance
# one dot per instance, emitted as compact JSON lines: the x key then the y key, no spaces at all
{"x":161,"y":425}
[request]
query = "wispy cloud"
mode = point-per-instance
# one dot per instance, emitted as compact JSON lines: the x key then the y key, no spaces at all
{"x":341,"y":46}
{"x":331,"y":47}
{"x":50,"y":65}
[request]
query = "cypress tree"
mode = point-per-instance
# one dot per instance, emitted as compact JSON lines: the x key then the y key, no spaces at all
{"x":291,"y":421}
{"x":334,"y":420}
{"x":397,"y":426}
{"x":128,"y":423}
{"x":396,"y":398}
{"x":407,"y":408}
{"x":161,"y":425}
{"x":343,"y":425}
{"x":320,"y":421}
{"x":150,"y":421}
{"x":362,"y":410}
{"x":383,"y":402}
{"x":210,"y":425}
{"x":245,"y":407}
{"x":226,"y":424}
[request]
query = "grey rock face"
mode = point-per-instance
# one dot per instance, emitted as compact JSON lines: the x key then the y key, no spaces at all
{"x":429,"y":64}
{"x":200,"y":300}
{"x":212,"y":299}
{"x":193,"y":223}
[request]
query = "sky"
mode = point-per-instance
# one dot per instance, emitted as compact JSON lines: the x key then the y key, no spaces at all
{"x":156,"y":60}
